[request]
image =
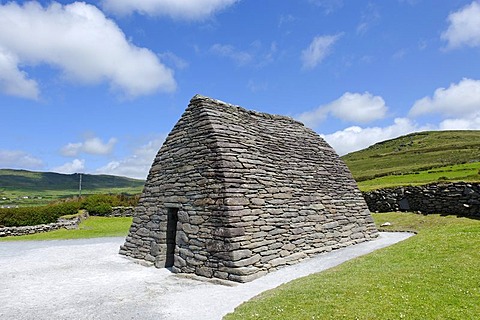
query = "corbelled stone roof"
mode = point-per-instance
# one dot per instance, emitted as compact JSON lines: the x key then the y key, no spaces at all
{"x":252,"y":191}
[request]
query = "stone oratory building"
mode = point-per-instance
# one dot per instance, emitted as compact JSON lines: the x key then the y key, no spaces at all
{"x":233,"y":194}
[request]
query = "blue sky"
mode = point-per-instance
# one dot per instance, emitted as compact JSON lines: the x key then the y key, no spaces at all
{"x":96,"y":86}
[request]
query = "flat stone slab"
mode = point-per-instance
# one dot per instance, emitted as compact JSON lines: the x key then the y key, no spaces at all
{"x":88,"y":279}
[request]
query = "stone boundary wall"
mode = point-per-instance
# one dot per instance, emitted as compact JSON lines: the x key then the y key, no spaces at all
{"x":458,"y":198}
{"x":122,"y":212}
{"x":61,"y":223}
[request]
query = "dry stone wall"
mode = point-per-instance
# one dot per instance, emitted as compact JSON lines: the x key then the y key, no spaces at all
{"x":445,"y":198}
{"x":60,"y":224}
{"x":233,"y":194}
{"x":122,"y":212}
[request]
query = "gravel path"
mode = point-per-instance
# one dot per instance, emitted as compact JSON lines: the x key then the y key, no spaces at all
{"x":87,"y":279}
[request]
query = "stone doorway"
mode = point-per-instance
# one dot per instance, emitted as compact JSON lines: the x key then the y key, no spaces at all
{"x":172,"y":219}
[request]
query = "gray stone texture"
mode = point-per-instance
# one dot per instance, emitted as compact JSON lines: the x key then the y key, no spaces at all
{"x":254,"y":192}
{"x":459,"y":198}
{"x":60,"y":224}
{"x":122,"y":212}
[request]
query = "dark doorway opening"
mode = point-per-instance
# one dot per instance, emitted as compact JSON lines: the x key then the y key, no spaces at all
{"x":172,"y":219}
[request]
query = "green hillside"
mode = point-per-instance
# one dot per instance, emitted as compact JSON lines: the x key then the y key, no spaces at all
{"x":21,"y":187}
{"x":414,"y":153}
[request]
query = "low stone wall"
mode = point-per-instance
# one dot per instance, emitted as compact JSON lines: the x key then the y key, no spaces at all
{"x":122,"y":212}
{"x":444,"y":198}
{"x":61,"y":223}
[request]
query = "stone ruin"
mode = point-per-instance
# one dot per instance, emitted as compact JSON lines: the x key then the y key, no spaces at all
{"x":233,"y":194}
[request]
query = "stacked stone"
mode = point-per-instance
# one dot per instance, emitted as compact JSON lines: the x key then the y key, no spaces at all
{"x":122,"y":212}
{"x":254,"y":192}
{"x":24,"y":230}
{"x":458,"y":198}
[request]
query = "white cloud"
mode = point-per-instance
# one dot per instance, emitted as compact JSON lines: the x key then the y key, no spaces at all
{"x":356,"y":107}
{"x":229,"y":51}
{"x":314,"y":117}
{"x":464,"y":27}
{"x":319,"y":48}
{"x":77,"y":165}
{"x":71,"y":149}
{"x":81,"y":42}
{"x":92,"y":145}
{"x":352,"y":107}
{"x":13,"y":81}
{"x":138,"y":164}
{"x":357,"y":138}
{"x":462,"y":99}
{"x":19,"y":159}
{"x":177,"y":9}
{"x":471,"y":123}
{"x":459,"y":105}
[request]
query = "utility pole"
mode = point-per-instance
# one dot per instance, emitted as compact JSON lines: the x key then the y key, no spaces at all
{"x":80,"y":185}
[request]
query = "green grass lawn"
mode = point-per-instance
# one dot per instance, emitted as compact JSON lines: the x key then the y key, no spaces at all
{"x":93,"y":227}
{"x":433,"y":275}
{"x":414,"y":152}
{"x":463,"y":172}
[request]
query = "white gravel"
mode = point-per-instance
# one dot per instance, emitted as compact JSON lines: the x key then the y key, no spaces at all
{"x":88,"y":279}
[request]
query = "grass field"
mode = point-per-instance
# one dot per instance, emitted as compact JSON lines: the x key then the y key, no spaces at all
{"x":415,"y":152}
{"x":433,"y":275}
{"x":93,"y":227}
{"x":461,"y":172}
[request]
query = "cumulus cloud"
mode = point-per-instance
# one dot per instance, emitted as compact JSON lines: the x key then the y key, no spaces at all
{"x":472,"y":123}
{"x":19,"y":159}
{"x":462,"y":99}
{"x":92,"y":145}
{"x":464,"y":27}
{"x":138,"y":164}
{"x":357,"y":138}
{"x":81,"y":42}
{"x":351,"y":107}
{"x":458,"y":105}
{"x":177,"y":9}
{"x":319,"y":48}
{"x":77,"y":165}
{"x":13,"y":81}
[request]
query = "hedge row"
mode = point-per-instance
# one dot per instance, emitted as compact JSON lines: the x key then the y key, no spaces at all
{"x":30,"y":216}
{"x":99,"y":205}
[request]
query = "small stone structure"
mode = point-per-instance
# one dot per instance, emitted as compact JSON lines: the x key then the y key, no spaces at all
{"x":458,"y":198}
{"x":233,"y":194}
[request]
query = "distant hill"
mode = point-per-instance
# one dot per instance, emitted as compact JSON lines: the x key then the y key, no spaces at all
{"x":22,"y":187}
{"x":415,"y":152}
{"x":29,"y":180}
